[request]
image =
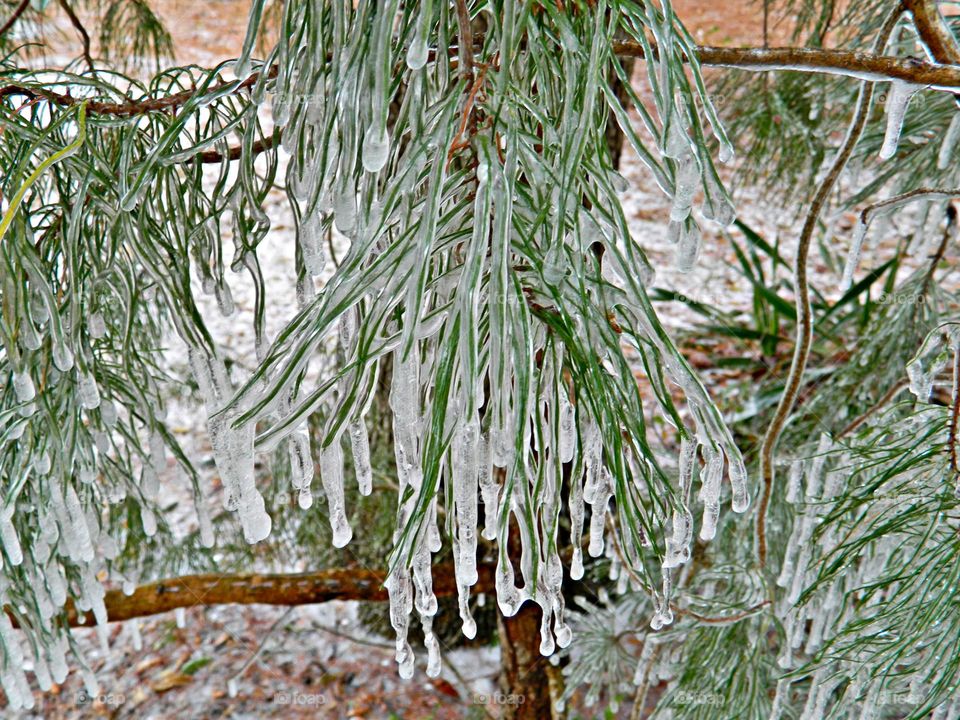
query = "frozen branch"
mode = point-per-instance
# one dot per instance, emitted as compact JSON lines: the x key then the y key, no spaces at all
{"x":287,"y":589}
{"x":860,"y":65}
{"x":14,"y":16}
{"x":933,"y":31}
{"x":804,"y":341}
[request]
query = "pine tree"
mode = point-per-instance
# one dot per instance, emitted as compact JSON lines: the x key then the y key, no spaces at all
{"x":486,"y":328}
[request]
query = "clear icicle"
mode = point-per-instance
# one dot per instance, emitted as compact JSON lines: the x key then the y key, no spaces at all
{"x":687,"y":180}
{"x":331,"y":475}
{"x":465,"y":476}
{"x":949,"y":142}
{"x":688,"y":244}
{"x":8,"y":536}
{"x":898,"y":98}
{"x":710,"y":491}
{"x":360,"y":447}
{"x":96,"y":325}
{"x":489,"y":489}
{"x":568,"y":428}
{"x":853,"y":256}
{"x":23,"y":387}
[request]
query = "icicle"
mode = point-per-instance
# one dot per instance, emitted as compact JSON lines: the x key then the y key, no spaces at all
{"x":331,"y":475}
{"x":417,"y":52}
{"x":740,"y":500}
{"x":158,"y":451}
{"x":598,"y":505}
{"x":489,"y":489}
{"x":360,"y":446}
{"x":23,"y":387}
{"x":224,"y":298}
{"x":301,"y":461}
{"x":181,"y":617}
{"x":149,"y":482}
{"x":710,"y":491}
{"x":96,"y":325}
{"x":687,"y":179}
{"x":853,"y":256}
{"x":568,"y":428}
{"x":897,"y":100}
{"x":207,"y":538}
{"x":108,"y":412}
{"x":149,"y":521}
{"x":688,"y":244}
{"x":401,"y":602}
{"x":376,"y":149}
{"x":135,"y":636}
{"x":62,"y":357}
{"x":8,"y":535}
{"x":949,"y":142}
{"x":312,"y":243}
{"x":465,"y":473}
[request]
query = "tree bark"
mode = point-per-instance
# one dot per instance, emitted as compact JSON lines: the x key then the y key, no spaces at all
{"x":524,"y":681}
{"x":287,"y":589}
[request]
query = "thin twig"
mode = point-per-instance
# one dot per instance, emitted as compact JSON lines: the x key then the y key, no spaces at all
{"x":129,"y":108}
{"x":78,"y":26}
{"x":802,"y":291}
{"x":214,"y":157}
{"x":465,"y":41}
{"x":948,"y":232}
{"x":955,"y":414}
{"x":870,"y":412}
{"x":263,"y":643}
{"x":20,"y":9}
{"x":868,"y":213}
{"x":934,"y":32}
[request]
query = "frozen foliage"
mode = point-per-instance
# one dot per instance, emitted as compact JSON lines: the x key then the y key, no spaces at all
{"x":499,"y":312}
{"x":489,"y":266}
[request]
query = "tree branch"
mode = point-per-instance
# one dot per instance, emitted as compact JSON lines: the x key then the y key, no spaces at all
{"x":801,"y":350}
{"x":285,"y":589}
{"x":130,"y":107}
{"x":78,"y":26}
{"x":212,"y":157}
{"x":934,"y":32}
{"x":20,"y":9}
{"x":862,"y":66}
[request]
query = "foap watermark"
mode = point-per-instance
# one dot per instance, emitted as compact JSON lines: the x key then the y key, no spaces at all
{"x":300,"y":699}
{"x":498,"y":698}
{"x":689,"y":697}
{"x":111,"y":699}
{"x":901,"y":298}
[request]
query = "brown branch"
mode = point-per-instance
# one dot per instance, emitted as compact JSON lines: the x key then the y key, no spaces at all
{"x":20,"y":9}
{"x":863,"y":66}
{"x":287,"y":589}
{"x":78,"y":26}
{"x":465,"y":41}
{"x":130,"y":107}
{"x":955,"y":415}
{"x":801,"y":352}
{"x":860,"y":65}
{"x":934,"y":32}
{"x":871,"y":411}
{"x":948,"y":233}
{"x":210,"y":157}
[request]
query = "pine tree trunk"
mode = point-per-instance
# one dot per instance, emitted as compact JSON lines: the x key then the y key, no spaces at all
{"x":524,"y":680}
